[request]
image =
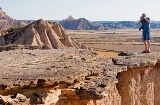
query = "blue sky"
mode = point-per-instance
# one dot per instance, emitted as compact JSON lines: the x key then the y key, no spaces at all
{"x":107,"y":10}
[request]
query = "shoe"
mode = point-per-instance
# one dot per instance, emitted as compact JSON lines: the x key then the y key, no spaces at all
{"x":148,"y":51}
{"x":144,"y":51}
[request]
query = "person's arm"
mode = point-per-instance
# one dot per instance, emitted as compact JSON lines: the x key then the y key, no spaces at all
{"x":148,"y":20}
{"x":139,"y":22}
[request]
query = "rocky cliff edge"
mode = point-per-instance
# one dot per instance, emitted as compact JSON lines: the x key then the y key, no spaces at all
{"x":76,"y":76}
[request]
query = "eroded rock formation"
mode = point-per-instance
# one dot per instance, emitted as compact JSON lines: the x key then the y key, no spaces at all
{"x":40,"y":33}
{"x":77,"y":77}
{"x":7,"y":22}
{"x":58,"y":77}
{"x":139,"y":85}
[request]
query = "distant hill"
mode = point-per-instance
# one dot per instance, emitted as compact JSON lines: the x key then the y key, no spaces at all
{"x":71,"y":23}
{"x":83,"y":24}
{"x":7,"y":22}
{"x":77,"y":24}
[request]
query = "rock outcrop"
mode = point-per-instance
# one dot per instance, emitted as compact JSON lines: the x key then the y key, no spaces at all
{"x":40,"y":33}
{"x":77,"y":77}
{"x":8,"y":22}
{"x":58,"y":77}
{"x":139,"y":85}
{"x":3,"y":15}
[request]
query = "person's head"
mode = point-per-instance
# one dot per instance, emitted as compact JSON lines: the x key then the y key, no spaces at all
{"x":144,"y":15}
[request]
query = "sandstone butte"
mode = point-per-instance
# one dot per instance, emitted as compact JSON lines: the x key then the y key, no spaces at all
{"x":71,"y":76}
{"x":40,"y":33}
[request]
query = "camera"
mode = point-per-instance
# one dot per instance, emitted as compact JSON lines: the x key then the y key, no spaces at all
{"x":142,"y":17}
{"x":141,"y":28}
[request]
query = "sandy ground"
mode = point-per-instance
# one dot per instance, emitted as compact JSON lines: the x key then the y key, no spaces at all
{"x":111,"y":54}
{"x":116,"y":40}
{"x":114,"y":47}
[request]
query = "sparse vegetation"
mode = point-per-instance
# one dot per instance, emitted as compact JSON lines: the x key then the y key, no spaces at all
{"x":12,"y":30}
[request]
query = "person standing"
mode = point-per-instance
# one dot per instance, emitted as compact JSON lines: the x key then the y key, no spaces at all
{"x":145,"y":21}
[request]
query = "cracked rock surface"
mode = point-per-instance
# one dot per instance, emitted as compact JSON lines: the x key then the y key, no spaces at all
{"x":67,"y":75}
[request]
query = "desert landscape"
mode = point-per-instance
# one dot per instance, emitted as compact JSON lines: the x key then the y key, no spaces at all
{"x":116,"y":40}
{"x":77,"y":62}
{"x":42,"y":63}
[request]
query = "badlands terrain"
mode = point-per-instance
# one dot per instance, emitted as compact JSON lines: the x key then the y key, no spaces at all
{"x":7,"y":22}
{"x":42,"y":63}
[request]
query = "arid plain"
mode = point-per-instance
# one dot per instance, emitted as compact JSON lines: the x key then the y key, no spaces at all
{"x":116,"y":40}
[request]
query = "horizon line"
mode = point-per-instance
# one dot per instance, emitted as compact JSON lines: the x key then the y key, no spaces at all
{"x":86,"y":19}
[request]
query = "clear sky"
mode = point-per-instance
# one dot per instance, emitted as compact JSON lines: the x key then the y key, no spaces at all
{"x":106,"y":10}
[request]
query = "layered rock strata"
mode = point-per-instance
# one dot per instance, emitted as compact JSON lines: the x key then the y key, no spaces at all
{"x":8,"y":22}
{"x":139,"y":85}
{"x":40,"y":33}
{"x":57,"y":77}
{"x":77,"y":77}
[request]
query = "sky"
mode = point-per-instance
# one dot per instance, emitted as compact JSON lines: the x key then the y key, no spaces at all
{"x":93,"y":10}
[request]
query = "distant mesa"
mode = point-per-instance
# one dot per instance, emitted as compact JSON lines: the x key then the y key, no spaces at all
{"x":41,"y":33}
